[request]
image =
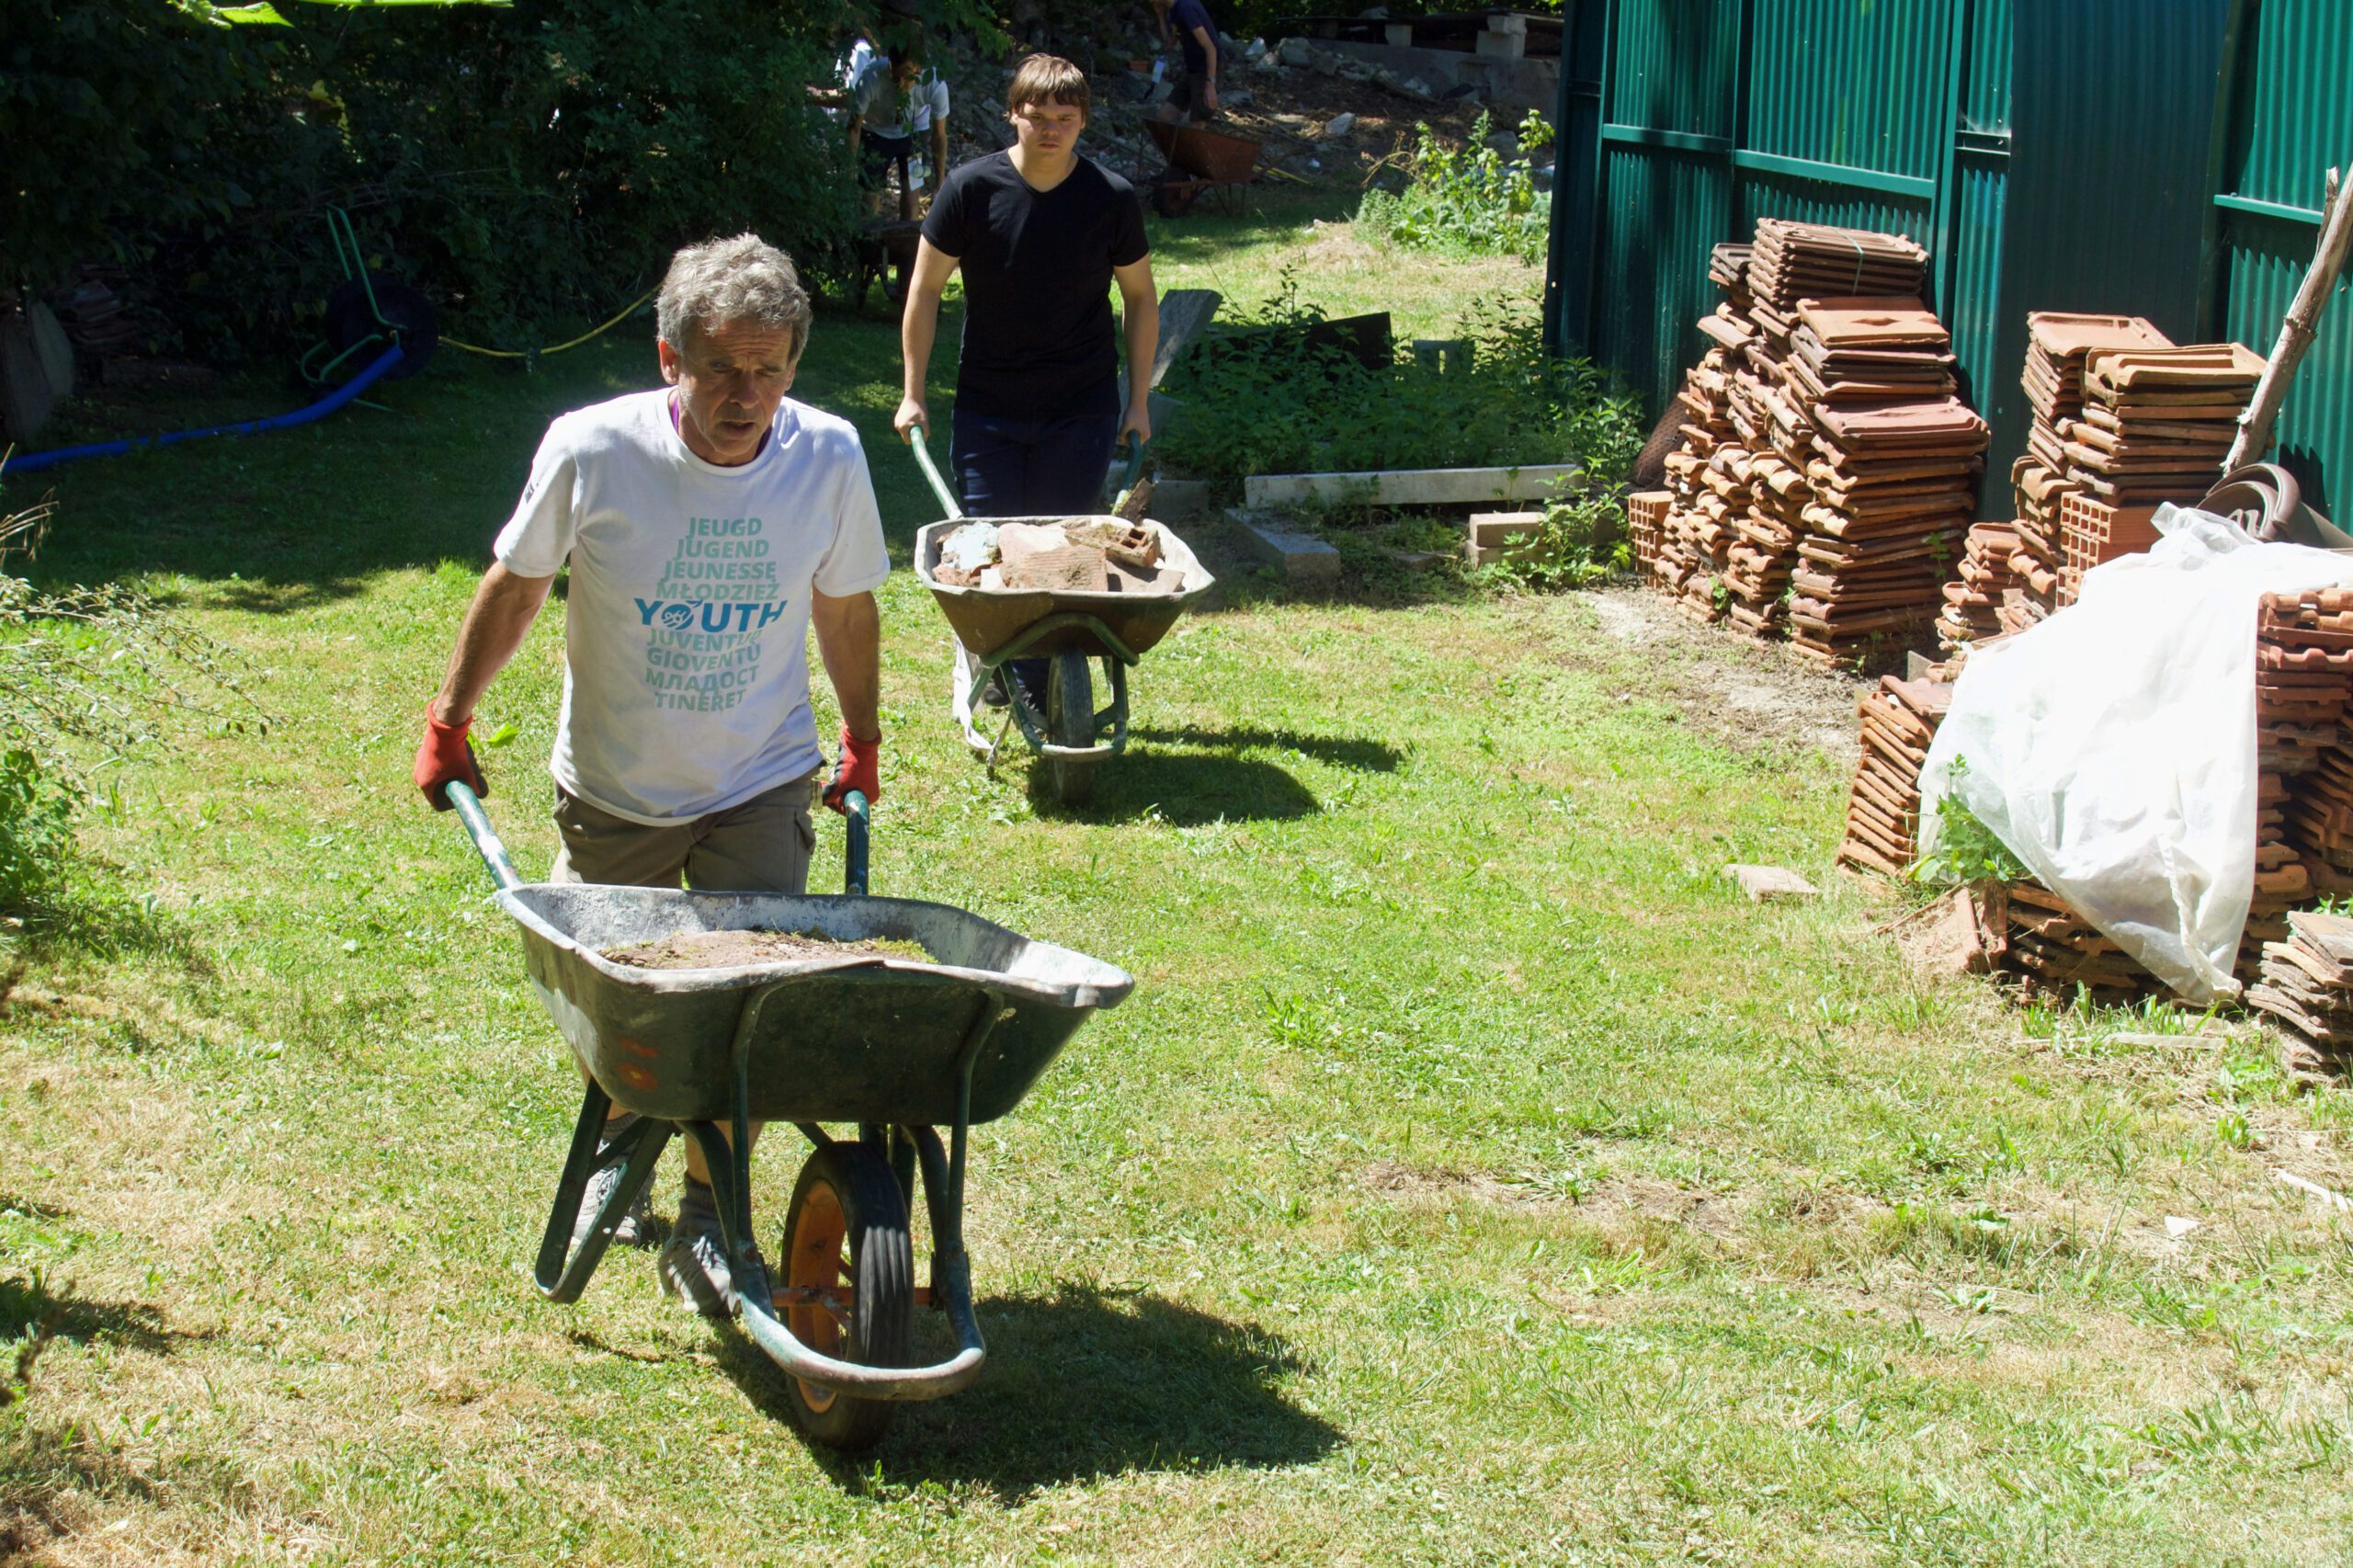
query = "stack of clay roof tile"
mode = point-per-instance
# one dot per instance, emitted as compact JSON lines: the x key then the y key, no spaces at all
{"x":2306,"y":981}
{"x":1708,"y":476}
{"x":2059,"y":346}
{"x":2303,"y":674}
{"x":1795,"y":261}
{"x":1895,"y":486}
{"x":1646,"y":527}
{"x":1972,"y":611}
{"x":2058,"y":951}
{"x":1899,"y":718}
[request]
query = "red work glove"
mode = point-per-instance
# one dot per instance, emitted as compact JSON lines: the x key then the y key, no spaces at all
{"x":444,"y":757}
{"x":860,"y":768}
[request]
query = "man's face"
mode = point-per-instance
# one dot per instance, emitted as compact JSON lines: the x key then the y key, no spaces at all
{"x":904,"y":74}
{"x":730,"y":379}
{"x":1047,"y":128}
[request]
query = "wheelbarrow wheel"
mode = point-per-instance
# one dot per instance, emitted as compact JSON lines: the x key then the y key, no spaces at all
{"x":848,"y":1229}
{"x":1070,"y":722}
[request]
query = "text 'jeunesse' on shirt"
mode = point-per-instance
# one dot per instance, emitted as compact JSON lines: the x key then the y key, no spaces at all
{"x":1037,"y":266}
{"x":686,"y":665}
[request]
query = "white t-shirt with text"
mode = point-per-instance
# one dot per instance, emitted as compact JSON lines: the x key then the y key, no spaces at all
{"x":686,"y":681}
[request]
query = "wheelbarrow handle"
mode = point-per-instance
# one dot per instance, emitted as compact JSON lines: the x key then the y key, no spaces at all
{"x":1136,"y":449}
{"x":916,"y":437}
{"x":855,"y":808}
{"x":492,"y":849}
{"x":487,"y":844}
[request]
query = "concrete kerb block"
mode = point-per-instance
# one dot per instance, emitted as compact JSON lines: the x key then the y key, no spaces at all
{"x":1180,"y":501}
{"x":1502,"y":46}
{"x":1304,"y":560}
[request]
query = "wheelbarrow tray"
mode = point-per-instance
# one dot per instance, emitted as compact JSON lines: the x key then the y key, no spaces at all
{"x":854,"y":1037}
{"x":1208,"y":154}
{"x":986,"y":620}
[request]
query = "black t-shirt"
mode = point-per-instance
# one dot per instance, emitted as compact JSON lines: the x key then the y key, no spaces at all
{"x":1183,"y":18}
{"x":1037,"y":267}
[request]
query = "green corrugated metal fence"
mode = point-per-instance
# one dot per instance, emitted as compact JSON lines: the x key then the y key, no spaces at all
{"x":2289,"y":118}
{"x":2155,"y":157}
{"x":1699,"y":117}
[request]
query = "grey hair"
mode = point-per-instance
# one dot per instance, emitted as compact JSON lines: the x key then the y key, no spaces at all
{"x":740,"y":280}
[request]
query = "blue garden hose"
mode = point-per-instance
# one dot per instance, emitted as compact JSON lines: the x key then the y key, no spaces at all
{"x":34,"y":461}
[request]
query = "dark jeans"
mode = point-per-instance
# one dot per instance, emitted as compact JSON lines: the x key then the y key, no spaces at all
{"x":879,"y":154}
{"x":1031,"y":468}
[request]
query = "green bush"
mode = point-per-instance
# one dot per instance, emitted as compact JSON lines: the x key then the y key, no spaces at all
{"x":1263,"y":405}
{"x":1469,"y":199}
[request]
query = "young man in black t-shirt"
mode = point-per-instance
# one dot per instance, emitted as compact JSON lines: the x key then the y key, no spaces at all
{"x":1041,"y":233}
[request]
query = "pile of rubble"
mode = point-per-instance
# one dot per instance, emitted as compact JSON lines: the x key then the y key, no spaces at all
{"x":1078,"y":555}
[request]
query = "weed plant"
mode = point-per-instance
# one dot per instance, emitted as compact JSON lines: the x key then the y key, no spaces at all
{"x":1469,"y":199}
{"x":1267,"y":404}
{"x":88,"y":677}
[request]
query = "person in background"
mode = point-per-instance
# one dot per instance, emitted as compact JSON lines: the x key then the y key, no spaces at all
{"x":893,"y":100}
{"x":1041,"y":233}
{"x":1187,"y":25}
{"x":710,"y":524}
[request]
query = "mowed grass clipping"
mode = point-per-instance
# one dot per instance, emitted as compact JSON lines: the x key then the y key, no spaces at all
{"x":1473,"y":1176}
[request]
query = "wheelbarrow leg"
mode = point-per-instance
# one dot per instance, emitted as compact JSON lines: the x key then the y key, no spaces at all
{"x":561,"y":1279}
{"x":731,"y":1191}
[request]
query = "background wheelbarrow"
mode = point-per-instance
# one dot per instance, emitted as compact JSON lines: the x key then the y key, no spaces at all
{"x":898,"y":1048}
{"x":994,"y":626}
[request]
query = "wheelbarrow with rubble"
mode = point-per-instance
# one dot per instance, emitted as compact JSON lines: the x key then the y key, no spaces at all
{"x":896,"y":1048}
{"x":1074,"y":629}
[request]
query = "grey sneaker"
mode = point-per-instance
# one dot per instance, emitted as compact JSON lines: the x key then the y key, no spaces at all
{"x":630,"y":1230}
{"x":693,"y":1265}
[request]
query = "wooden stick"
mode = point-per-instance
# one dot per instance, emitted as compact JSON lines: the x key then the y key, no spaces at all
{"x":2296,"y":331}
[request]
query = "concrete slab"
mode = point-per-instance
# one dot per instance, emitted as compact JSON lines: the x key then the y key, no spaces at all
{"x":1412,"y":486}
{"x":1305,"y":561}
{"x":1178,"y":501}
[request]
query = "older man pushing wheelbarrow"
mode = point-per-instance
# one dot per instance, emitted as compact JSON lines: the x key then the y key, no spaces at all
{"x":707,"y":524}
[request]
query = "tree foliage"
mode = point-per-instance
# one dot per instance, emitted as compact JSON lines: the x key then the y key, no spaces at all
{"x":525,"y":167}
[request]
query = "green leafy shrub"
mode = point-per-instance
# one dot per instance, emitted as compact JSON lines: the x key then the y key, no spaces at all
{"x":1264,"y":405}
{"x":1967,"y":850}
{"x":1469,"y":199}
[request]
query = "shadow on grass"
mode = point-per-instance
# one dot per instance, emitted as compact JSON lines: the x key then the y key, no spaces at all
{"x":1079,"y":1385}
{"x":33,"y":1304}
{"x":76,"y":928}
{"x":1185,"y":789}
{"x":1339,"y":751}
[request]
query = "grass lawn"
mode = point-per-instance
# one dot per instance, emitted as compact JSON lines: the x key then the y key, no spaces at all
{"x":1474,"y":1177}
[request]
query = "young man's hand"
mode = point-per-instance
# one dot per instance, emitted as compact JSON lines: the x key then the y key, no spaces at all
{"x":1137,"y":426}
{"x":910,"y":416}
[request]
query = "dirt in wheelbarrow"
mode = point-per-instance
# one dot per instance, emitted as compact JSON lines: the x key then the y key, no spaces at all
{"x":735,"y":949}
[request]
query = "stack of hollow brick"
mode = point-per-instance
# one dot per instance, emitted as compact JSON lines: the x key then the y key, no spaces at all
{"x":1646,"y":527}
{"x":1972,"y":611}
{"x":1899,"y":718}
{"x":2306,"y":981}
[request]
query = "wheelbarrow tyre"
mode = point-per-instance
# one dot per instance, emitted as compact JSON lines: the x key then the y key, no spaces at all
{"x":847,"y":1205}
{"x":1070,"y":722}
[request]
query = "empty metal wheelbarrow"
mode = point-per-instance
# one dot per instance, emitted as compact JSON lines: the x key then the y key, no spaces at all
{"x":896,"y":1047}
